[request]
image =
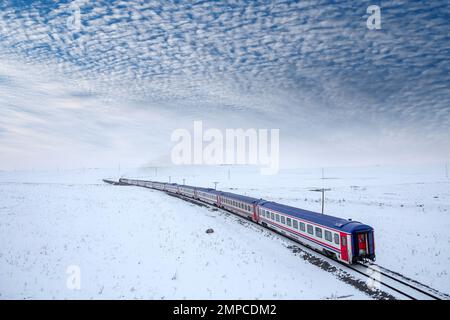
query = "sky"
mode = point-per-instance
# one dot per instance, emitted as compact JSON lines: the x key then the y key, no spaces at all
{"x":101,"y":83}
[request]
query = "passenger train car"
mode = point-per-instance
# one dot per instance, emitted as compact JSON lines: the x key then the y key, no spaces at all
{"x":344,"y":240}
{"x":240,"y":205}
{"x":208,"y":195}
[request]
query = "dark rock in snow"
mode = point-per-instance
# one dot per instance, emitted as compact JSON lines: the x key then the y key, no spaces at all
{"x":209,"y":230}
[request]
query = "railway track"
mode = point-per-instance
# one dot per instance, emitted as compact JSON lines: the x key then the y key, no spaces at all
{"x":396,"y":282}
{"x":409,"y":288}
{"x":379,"y":277}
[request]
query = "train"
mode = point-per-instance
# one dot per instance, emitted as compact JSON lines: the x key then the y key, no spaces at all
{"x":344,"y":240}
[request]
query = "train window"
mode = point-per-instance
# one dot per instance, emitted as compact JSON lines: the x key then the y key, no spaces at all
{"x":318,"y":232}
{"x":295,"y":224}
{"x":310,"y":229}
{"x":344,"y":241}
{"x":336,"y":238}
{"x":272,"y":216}
{"x":288,"y":221}
{"x":302,"y":226}
{"x":283,"y":220}
{"x":328,"y":236}
{"x":277,"y":217}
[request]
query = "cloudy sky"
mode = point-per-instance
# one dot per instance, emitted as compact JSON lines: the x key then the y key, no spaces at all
{"x":97,"y":83}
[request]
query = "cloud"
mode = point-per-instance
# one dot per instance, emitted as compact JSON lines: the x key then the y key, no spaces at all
{"x":311,"y":68}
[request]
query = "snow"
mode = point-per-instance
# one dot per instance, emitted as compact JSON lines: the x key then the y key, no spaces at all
{"x":130,"y":242}
{"x":408,"y":206}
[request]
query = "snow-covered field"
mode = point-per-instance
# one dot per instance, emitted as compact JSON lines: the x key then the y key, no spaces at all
{"x":138,"y":243}
{"x":130,"y":242}
{"x":409,"y":207}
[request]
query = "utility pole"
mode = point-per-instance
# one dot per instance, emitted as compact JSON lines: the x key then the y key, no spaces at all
{"x":323,"y":198}
{"x":446,"y":170}
{"x":184,"y":182}
{"x":322,"y":190}
{"x":215,"y":185}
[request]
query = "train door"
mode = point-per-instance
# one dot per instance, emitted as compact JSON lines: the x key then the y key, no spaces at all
{"x":362,"y":244}
{"x":255,"y":213}
{"x":344,"y":247}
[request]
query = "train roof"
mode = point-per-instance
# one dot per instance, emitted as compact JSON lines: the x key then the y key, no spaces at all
{"x":318,"y":218}
{"x":187,"y":186}
{"x":240,"y":197}
{"x":210,"y":190}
